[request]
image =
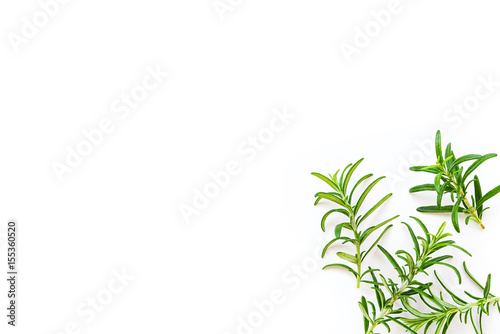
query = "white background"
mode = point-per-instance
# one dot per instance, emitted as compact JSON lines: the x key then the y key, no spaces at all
{"x":119,"y":209}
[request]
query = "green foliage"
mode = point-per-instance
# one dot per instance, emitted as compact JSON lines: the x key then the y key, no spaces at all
{"x":442,"y":311}
{"x":453,"y":178}
{"x":351,"y":210}
{"x":410,"y":300}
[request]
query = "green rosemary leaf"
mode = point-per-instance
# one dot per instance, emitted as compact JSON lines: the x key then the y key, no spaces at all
{"x":386,"y":326}
{"x":480,"y":322}
{"x":454,"y":215}
{"x":434,"y":208}
{"x":374,"y":310}
{"x":463,"y":159}
{"x":472,"y":296}
{"x":372,"y":229}
{"x":358,"y":183}
{"x":342,"y":266}
{"x":348,"y":257}
{"x":402,"y":324}
{"x":427,"y":169}
{"x":441,"y":192}
{"x":454,"y":269}
{"x":477,"y":163}
{"x":488,"y":195}
{"x":439,"y":151}
{"x":411,"y":309}
{"x":440,"y":230}
{"x":327,"y":180}
{"x":440,"y":301}
{"x":437,"y":181}
{"x":487,"y":287}
{"x":339,"y":227}
{"x":365,"y":193}
{"x":463,"y":250}
{"x":341,"y":182}
{"x":467,"y":186}
{"x":349,"y":174}
{"x":351,"y":240}
{"x":449,"y":156}
{"x":372,"y":282}
{"x":422,"y":226}
{"x":423,"y":187}
{"x":448,"y":322}
{"x":376,"y":241}
{"x":379,"y":294}
{"x":457,"y":299}
{"x":479,"y":196}
{"x":433,"y":261}
{"x":424,"y":296}
{"x":323,"y":220}
{"x":473,"y":278}
{"x":334,"y":177}
{"x":427,"y":327}
{"x":369,"y":271}
{"x":415,"y":241}
{"x":458,"y":176}
{"x":332,"y":198}
{"x":375,"y":207}
{"x":473,"y":324}
{"x":386,"y":285}
{"x":391,"y":260}
{"x":364,"y":310}
{"x":331,"y":243}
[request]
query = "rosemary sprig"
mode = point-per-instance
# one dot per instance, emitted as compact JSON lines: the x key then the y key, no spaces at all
{"x":451,"y":178}
{"x":409,"y":284}
{"x":443,"y":311}
{"x":344,"y":198}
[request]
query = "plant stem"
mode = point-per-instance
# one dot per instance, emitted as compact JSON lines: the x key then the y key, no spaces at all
{"x":460,"y":191}
{"x":358,"y":248}
{"x":388,"y":307}
{"x":354,"y":227}
{"x":358,"y":264}
{"x":462,"y":309}
{"x":472,"y":210}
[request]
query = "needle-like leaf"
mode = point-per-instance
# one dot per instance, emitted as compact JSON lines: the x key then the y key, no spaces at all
{"x":488,"y":196}
{"x":436,"y":209}
{"x":439,"y":151}
{"x":423,"y":187}
{"x":477,"y":163}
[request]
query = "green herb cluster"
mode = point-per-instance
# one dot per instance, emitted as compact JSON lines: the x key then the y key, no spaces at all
{"x":412,"y":285}
{"x":411,"y":301}
{"x":452,"y":178}
{"x":344,"y":198}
